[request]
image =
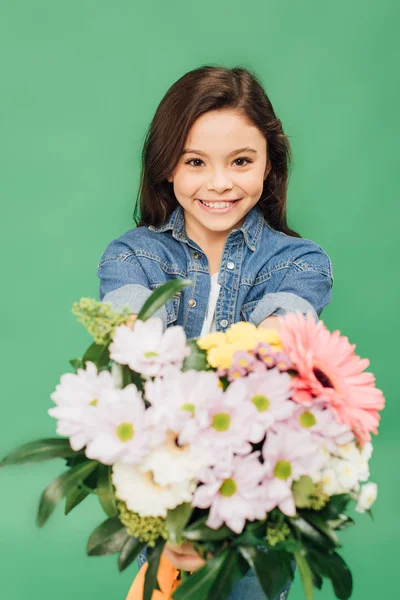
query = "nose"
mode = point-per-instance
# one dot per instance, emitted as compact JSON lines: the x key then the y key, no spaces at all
{"x":220,"y":181}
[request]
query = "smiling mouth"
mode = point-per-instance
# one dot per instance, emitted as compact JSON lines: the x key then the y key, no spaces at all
{"x":218,"y":203}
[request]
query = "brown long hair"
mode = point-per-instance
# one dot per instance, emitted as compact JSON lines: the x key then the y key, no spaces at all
{"x":198,"y":91}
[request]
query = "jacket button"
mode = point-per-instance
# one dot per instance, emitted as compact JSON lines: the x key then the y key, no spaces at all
{"x":224,"y":323}
{"x":230,"y":265}
{"x":192,"y":302}
{"x":196,"y":254}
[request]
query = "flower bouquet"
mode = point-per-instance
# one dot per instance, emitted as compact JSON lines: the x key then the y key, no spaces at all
{"x":251,"y":444}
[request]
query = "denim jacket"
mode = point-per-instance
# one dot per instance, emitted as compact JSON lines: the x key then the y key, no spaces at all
{"x":262,"y":272}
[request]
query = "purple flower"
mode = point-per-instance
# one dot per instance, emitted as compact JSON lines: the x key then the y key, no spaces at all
{"x":288,"y":454}
{"x":148,"y":349}
{"x":232,"y":492}
{"x":322,"y":424}
{"x":269,"y":396}
{"x":224,"y":424}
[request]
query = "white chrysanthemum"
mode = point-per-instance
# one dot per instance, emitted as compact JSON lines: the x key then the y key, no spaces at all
{"x":367,"y":497}
{"x":146,"y":497}
{"x":347,"y":474}
{"x":171,"y":463}
{"x":147,"y":349}
{"x":176,"y":396}
{"x":340,"y":476}
{"x":120,"y":433}
{"x":366,"y":451}
{"x":329,"y":482}
{"x":346,"y":468}
{"x":76,"y":397}
{"x":359,"y":459}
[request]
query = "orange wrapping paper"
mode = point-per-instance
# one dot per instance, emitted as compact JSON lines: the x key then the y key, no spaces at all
{"x":167,"y":580}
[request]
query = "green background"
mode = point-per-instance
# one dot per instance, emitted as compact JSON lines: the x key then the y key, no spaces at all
{"x":80,"y":82}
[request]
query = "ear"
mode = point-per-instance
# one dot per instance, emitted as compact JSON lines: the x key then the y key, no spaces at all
{"x":170,"y":178}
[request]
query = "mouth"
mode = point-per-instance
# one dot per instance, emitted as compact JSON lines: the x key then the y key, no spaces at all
{"x":217,"y":206}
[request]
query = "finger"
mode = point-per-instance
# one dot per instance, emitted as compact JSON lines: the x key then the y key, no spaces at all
{"x":185,"y":562}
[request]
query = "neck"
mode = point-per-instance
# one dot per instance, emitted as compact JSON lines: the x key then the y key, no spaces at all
{"x":211,"y":242}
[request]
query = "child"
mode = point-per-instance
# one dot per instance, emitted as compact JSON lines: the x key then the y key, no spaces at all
{"x":213,"y":210}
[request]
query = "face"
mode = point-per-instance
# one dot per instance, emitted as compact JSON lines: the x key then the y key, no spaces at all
{"x":215,"y":180}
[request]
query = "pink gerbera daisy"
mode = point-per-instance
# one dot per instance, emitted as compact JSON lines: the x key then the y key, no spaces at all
{"x":329,"y":369}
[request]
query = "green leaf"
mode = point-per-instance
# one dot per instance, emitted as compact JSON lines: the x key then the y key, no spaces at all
{"x":105,"y":491}
{"x":316,"y":574}
{"x":108,"y":538}
{"x":289,"y":545}
{"x":273,"y":568}
{"x":127,"y":375}
{"x":312,"y":533}
{"x":317,"y":521}
{"x":60,"y":487}
{"x":160,"y":296}
{"x":77,"y":459}
{"x":73,"y":498}
{"x":150,"y":578}
{"x":335,"y":507}
{"x":130,"y":550}
{"x":176,"y":520}
{"x":248,"y":538}
{"x":38,"y":451}
{"x":199,"y":531}
{"x":342,"y":522}
{"x":198,"y":585}
{"x":98,"y":354}
{"x":334,"y":568}
{"x":305,"y":574}
{"x":229,"y":574}
{"x":197,"y":358}
{"x":76,"y":363}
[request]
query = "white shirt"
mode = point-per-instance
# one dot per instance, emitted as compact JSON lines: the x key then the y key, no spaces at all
{"x":209,"y":320}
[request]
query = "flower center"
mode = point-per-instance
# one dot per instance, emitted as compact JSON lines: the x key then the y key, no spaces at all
{"x":93,"y":402}
{"x":307,"y":419}
{"x":260,"y":402}
{"x":228,"y":488}
{"x":150,"y":354}
{"x":125,"y":432}
{"x":221,"y":421}
{"x":189,"y":407}
{"x":322,"y":378}
{"x":283,"y":469}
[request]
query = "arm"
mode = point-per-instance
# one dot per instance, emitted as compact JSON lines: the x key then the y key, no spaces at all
{"x":123,"y":281}
{"x":306,"y":287}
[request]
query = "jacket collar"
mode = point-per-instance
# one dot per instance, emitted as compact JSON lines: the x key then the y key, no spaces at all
{"x":251,"y":227}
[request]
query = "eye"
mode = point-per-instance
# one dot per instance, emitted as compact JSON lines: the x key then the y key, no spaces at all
{"x":248,"y":161}
{"x":243,"y":158}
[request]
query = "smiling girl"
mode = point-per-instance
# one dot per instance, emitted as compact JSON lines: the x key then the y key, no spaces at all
{"x":212,"y":206}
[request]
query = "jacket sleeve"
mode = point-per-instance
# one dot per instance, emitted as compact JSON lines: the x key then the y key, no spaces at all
{"x":306,"y":287}
{"x":123,"y":281}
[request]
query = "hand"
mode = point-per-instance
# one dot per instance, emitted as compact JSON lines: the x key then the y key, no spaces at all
{"x":271,"y":322}
{"x":131,"y":321}
{"x":183,"y":557}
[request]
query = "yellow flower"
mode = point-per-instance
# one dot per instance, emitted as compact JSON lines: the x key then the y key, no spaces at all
{"x":210,"y":340}
{"x":220,"y":357}
{"x":270,"y":336}
{"x":239,"y":331}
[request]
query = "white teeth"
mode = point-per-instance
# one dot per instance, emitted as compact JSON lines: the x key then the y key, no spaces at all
{"x":217,"y":204}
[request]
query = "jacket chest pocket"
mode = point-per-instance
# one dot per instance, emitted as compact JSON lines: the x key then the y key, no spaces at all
{"x":171,"y":306}
{"x":247,"y":309}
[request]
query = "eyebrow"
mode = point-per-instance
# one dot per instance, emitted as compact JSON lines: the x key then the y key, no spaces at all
{"x":245,"y":149}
